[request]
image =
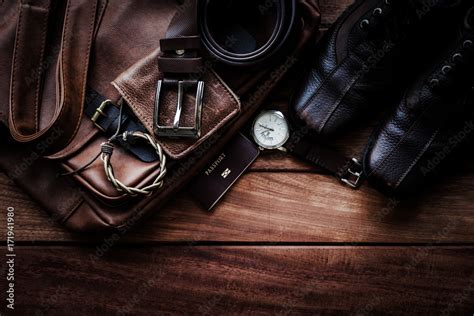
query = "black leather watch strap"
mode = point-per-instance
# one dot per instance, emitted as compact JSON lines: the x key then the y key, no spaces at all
{"x":347,"y":170}
{"x":105,"y":116}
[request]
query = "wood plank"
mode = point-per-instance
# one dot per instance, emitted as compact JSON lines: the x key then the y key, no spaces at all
{"x":286,"y":207}
{"x":243,"y":280}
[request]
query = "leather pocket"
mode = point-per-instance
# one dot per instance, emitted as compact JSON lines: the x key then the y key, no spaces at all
{"x":129,"y":169}
{"x":138,"y":84}
{"x":137,"y":87}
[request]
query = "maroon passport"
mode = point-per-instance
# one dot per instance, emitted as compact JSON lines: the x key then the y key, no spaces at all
{"x":211,"y":184}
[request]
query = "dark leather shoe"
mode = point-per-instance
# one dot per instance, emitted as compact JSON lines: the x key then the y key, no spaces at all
{"x":432,"y":120}
{"x":358,"y":62}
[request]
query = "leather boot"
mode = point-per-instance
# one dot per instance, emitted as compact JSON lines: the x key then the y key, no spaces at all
{"x":431,"y":122}
{"x":360,"y":62}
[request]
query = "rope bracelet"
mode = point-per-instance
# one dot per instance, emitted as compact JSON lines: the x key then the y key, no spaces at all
{"x":107,"y":149}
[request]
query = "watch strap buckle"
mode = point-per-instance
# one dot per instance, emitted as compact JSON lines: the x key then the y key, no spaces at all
{"x":353,"y":175}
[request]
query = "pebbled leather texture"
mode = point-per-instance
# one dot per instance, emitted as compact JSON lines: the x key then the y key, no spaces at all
{"x":433,"y":118}
{"x":354,"y":67}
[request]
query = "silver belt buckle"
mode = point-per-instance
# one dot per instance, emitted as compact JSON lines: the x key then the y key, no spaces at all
{"x":353,"y":175}
{"x":177,"y":131}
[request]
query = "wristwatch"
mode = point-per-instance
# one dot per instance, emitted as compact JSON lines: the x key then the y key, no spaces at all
{"x":271,"y":131}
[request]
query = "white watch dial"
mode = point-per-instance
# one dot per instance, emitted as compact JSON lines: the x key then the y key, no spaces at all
{"x":270,"y":130}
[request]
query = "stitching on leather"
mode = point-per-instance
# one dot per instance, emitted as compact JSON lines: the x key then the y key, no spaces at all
{"x":138,"y":111}
{"x":398,"y":144}
{"x":15,"y":52}
{"x":73,"y":209}
{"x":226,"y":88}
{"x":182,"y":153}
{"x":307,"y":103}
{"x":128,"y":98}
{"x":86,"y":66}
{"x":72,"y":150}
{"x":341,"y":97}
{"x":38,"y":80}
{"x":417,"y":158}
{"x":313,"y":97}
{"x":260,"y":97}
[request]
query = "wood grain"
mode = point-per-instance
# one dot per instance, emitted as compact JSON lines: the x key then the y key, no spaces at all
{"x":244,"y":281}
{"x":286,"y":207}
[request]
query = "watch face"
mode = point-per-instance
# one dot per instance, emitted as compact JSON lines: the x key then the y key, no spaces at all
{"x":270,"y":130}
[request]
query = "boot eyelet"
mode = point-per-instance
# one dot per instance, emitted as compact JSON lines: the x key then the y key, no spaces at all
{"x":457,"y":58}
{"x":434,"y":83}
{"x":377,"y":12}
{"x":446,"y":69}
{"x":364,"y":24}
{"x":467,"y":44}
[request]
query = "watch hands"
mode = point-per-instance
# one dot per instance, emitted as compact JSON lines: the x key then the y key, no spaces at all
{"x":266,"y":127}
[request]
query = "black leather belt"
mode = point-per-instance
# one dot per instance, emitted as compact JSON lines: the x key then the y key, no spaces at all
{"x":234,"y":32}
{"x":105,"y":117}
{"x":245,"y":32}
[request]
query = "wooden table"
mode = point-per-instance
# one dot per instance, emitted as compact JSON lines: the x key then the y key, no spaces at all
{"x":285,"y":240}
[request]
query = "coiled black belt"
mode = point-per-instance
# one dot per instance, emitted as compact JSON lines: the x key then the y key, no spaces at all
{"x":245,"y":32}
{"x":234,"y":32}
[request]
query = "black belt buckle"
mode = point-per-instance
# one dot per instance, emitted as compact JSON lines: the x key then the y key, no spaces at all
{"x":176,"y":130}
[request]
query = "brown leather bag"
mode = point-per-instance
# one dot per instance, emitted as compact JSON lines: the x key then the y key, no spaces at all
{"x":55,"y":51}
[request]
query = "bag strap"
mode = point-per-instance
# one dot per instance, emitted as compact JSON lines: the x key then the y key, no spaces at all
{"x":28,"y":61}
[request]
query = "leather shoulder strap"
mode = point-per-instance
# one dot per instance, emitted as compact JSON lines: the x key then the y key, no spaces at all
{"x":71,"y":72}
